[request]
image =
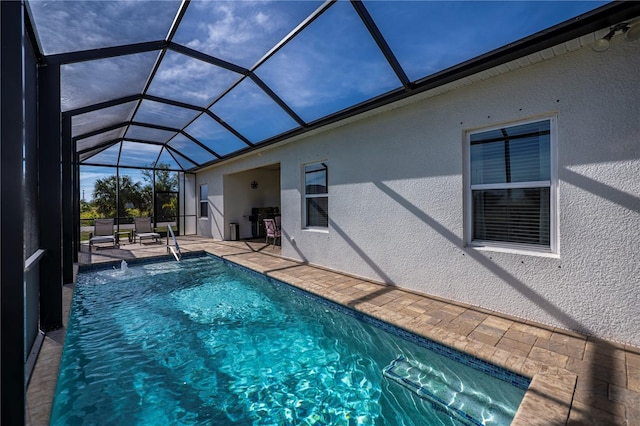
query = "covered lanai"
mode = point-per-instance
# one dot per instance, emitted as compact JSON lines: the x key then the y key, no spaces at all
{"x":184,"y":86}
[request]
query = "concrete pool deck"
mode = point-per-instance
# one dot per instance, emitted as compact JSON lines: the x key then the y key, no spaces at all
{"x":576,"y":379}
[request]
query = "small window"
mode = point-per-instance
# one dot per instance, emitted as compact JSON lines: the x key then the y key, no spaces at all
{"x":316,"y":205}
{"x":511,"y":187}
{"x":204,"y":201}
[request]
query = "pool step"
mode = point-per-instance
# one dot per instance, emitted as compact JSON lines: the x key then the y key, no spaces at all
{"x":458,"y":401}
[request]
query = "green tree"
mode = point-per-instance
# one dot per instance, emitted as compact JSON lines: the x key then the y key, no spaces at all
{"x":88,"y":211}
{"x":166,"y":180}
{"x":130,"y":196}
{"x":85,"y":206}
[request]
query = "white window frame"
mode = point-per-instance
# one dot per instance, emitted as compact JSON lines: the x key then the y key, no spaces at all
{"x":552,"y":184}
{"x":204,"y":201}
{"x":308,"y":196}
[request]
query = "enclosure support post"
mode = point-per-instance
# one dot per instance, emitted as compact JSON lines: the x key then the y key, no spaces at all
{"x":76,"y":204}
{"x":50,"y":196}
{"x":12,"y":134}
{"x":68,"y":192}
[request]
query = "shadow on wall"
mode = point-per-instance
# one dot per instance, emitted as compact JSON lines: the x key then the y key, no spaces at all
{"x":214,"y":219}
{"x":601,"y":386}
{"x":601,"y":394}
{"x":504,"y":275}
{"x":602,"y":190}
{"x":383,"y":276}
{"x":294,"y":245}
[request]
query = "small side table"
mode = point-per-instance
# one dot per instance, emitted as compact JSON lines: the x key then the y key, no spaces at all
{"x":121,"y":233}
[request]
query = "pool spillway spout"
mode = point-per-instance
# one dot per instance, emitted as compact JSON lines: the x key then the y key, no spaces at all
{"x":124,"y":267}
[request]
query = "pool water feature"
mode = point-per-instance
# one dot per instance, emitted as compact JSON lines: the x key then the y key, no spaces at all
{"x":204,"y":342}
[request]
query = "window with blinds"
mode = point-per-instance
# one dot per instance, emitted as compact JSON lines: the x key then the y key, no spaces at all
{"x":510,"y":178}
{"x":316,"y":195}
{"x":204,"y":200}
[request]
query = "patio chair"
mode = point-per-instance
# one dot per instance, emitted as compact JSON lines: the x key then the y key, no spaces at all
{"x":143,"y":230}
{"x":272,"y":231}
{"x":102,"y":233}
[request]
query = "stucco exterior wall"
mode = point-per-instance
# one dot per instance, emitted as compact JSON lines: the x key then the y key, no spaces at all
{"x":396,"y":195}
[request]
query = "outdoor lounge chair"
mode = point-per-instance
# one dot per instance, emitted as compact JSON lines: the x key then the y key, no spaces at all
{"x":143,"y":230}
{"x":102,"y":233}
{"x":272,"y":230}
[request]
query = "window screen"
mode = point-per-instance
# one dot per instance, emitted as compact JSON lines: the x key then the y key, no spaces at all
{"x":316,"y":195}
{"x":510,"y":176}
{"x":204,"y":201}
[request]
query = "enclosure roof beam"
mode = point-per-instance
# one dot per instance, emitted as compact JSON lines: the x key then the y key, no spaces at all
{"x":101,"y":146}
{"x":228,"y":127}
{"x":102,"y":105}
{"x":100,"y":131}
{"x":381,"y":42}
{"x":173,"y":151}
{"x":131,"y":167}
{"x":105,"y":52}
{"x":123,"y":124}
{"x":297,"y":30}
{"x":200,"y":144}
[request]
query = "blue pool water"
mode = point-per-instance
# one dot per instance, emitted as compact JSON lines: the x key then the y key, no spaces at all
{"x":203,"y":342}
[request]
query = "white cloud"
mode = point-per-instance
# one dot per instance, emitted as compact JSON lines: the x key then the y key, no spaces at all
{"x":65,"y":26}
{"x":189,"y":80}
{"x":261,"y":19}
{"x":239,"y":31}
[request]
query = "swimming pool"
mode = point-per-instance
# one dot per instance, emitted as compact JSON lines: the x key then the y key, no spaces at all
{"x":204,"y":342}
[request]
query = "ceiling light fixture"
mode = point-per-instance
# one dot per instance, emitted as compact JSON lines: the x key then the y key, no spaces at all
{"x":631,"y":33}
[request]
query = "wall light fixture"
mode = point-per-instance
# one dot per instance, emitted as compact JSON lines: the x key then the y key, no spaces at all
{"x":631,"y":33}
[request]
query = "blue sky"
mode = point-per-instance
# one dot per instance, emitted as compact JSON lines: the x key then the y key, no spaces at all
{"x":333,"y":64}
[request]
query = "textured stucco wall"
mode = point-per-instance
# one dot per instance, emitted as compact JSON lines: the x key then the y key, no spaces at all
{"x":396,"y":194}
{"x":188,"y":203}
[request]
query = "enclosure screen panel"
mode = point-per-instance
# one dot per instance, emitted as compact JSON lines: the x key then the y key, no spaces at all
{"x":422,"y":34}
{"x":251,"y":112}
{"x":240,"y":32}
{"x":66,"y":26}
{"x":352,"y":68}
{"x":102,"y":118}
{"x":87,"y":83}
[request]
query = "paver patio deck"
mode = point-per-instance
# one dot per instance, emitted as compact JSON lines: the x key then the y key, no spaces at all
{"x":576,"y":379}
